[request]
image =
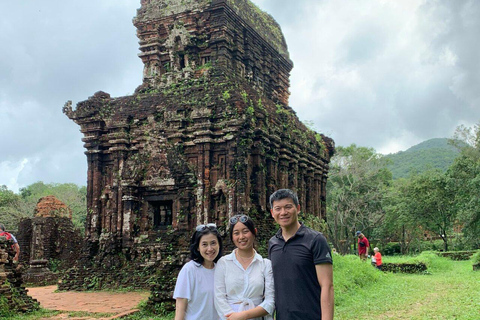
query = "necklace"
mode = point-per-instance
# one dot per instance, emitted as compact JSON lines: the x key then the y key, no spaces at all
{"x":245,"y":259}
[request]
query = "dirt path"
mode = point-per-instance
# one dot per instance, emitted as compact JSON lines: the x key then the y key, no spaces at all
{"x":95,"y":302}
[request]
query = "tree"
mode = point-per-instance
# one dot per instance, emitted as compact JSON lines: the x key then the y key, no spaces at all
{"x":10,"y":208}
{"x":14,"y":206}
{"x":430,"y":204}
{"x":356,"y":185}
{"x":465,"y":182}
{"x":398,"y":224}
{"x":69,"y":193}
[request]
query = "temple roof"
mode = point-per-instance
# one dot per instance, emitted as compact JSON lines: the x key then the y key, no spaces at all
{"x":50,"y":206}
{"x":260,"y":21}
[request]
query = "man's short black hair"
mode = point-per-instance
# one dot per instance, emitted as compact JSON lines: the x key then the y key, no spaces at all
{"x":283,"y":194}
{"x":2,"y":227}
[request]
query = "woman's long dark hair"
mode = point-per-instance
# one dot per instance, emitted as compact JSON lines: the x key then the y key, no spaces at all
{"x":195,"y":242}
{"x":249,"y":224}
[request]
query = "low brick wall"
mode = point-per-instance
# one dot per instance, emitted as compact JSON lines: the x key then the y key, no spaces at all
{"x":457,"y":255}
{"x":404,"y":267}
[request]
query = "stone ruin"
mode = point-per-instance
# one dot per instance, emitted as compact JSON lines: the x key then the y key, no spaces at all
{"x":209,"y":134}
{"x":13,"y":295}
{"x":48,"y":241}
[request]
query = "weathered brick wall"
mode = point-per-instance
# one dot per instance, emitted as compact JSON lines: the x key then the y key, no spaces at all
{"x":24,"y":237}
{"x":49,"y":243}
{"x":56,"y":239}
{"x":155,"y":260}
{"x":13,"y":295}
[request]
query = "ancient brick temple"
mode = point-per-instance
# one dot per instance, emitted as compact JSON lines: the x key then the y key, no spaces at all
{"x":48,"y":241}
{"x":208,"y":134}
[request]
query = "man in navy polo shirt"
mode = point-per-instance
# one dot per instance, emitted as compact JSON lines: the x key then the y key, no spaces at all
{"x":301,"y":262}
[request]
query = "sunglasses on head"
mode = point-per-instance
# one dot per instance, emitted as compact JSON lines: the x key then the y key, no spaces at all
{"x":202,"y":227}
{"x":238,"y":218}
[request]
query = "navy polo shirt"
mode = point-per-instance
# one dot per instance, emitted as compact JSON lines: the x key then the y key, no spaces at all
{"x":297,"y":292}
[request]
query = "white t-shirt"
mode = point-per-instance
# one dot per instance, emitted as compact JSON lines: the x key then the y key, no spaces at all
{"x":195,"y":283}
{"x":237,"y":289}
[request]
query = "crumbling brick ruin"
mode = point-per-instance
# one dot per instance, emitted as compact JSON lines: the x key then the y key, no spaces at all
{"x":208,"y":134}
{"x":48,"y":241}
{"x":13,"y":295}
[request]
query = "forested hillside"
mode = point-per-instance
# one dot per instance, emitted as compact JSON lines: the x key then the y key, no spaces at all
{"x":430,"y":154}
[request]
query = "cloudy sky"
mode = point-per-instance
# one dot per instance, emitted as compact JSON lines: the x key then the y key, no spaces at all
{"x":386,"y":74}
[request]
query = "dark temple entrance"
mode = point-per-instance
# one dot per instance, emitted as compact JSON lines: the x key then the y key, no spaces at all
{"x":161,"y":212}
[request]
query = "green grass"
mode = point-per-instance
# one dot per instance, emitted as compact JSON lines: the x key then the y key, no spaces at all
{"x":45,"y":314}
{"x":145,"y":315}
{"x":450,"y":290}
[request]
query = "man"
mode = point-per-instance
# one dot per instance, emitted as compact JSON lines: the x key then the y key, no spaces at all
{"x":10,"y":236}
{"x":363,"y":245}
{"x":301,"y":263}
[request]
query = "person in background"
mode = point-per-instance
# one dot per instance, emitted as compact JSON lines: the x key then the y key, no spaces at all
{"x":10,"y":236}
{"x":302,"y":264}
{"x":363,"y":245}
{"x":194,"y":288}
{"x":243,"y":279}
{"x":378,"y":258}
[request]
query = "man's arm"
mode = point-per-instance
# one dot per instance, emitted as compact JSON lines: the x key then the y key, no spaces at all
{"x":325,"y":280}
{"x":17,"y":252}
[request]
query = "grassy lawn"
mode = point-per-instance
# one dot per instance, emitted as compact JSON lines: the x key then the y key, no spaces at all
{"x":448,"y":290}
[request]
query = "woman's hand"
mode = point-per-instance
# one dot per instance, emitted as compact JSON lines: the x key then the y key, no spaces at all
{"x":236,"y":316}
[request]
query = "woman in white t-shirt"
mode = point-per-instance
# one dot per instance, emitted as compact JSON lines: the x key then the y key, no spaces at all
{"x":194,"y":288}
{"x":243,"y":279}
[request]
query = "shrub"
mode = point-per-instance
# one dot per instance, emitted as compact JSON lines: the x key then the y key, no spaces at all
{"x":391,"y":249}
{"x":476,"y":258}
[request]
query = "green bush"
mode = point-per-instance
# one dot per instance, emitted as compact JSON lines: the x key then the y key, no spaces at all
{"x":5,"y":310}
{"x":419,"y":246}
{"x":476,"y":258}
{"x":391,"y":249}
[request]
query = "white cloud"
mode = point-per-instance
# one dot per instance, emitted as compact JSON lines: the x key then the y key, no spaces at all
{"x":380,"y":73}
{"x":9,"y":173}
{"x":383,"y":73}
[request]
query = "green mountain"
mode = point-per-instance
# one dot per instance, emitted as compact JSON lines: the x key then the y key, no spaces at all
{"x":431,"y":154}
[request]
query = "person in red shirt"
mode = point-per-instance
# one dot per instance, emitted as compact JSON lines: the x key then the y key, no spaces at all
{"x":378,"y":258}
{"x":363,"y":245}
{"x":10,"y":236}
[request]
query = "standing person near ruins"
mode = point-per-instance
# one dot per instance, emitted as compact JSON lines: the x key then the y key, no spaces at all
{"x":10,"y":236}
{"x":302,"y":264}
{"x":194,"y":291}
{"x":243,"y":279}
{"x":363,"y":246}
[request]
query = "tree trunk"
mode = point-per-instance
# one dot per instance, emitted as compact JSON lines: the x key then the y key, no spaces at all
{"x":445,"y":242}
